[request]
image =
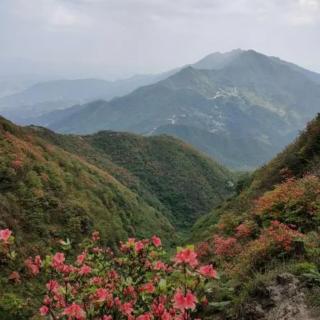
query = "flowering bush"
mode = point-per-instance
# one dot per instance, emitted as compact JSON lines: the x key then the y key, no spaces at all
{"x":6,"y":239}
{"x":243,"y":230}
{"x":275,"y":240}
{"x":226,"y":247}
{"x":135,"y":283}
{"x":296,"y":201}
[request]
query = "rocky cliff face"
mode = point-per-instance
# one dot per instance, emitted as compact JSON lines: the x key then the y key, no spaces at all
{"x":283,"y":299}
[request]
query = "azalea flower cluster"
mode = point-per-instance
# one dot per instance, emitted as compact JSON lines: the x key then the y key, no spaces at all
{"x":6,"y":239}
{"x":136,"y":282}
{"x":295,"y":201}
{"x":5,"y":236}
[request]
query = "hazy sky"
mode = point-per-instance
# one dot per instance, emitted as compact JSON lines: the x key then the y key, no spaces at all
{"x":76,"y":38}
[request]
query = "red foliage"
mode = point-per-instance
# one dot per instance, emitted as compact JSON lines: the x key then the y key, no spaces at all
{"x":280,"y":234}
{"x":243,"y":231}
{"x":226,"y":247}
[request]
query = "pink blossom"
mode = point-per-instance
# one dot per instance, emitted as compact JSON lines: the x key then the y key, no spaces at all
{"x":81,"y":257}
{"x":166,"y":316}
{"x":102,"y":294}
{"x":183,"y":302}
{"x":33,"y":266}
{"x":75,"y":311}
{"x":148,"y":287}
{"x":58,"y":259}
{"x":208,"y":271}
{"x":84,"y":270}
{"x":5,"y":234}
{"x":53,"y":285}
{"x":187,"y":256}
{"x":127,"y":308}
{"x":43,"y":310}
{"x":95,"y":236}
{"x":139,"y":246}
{"x":145,"y":316}
{"x":159,"y":265}
{"x":156,"y":241}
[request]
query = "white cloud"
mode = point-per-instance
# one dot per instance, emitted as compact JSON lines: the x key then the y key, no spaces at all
{"x":63,"y":17}
{"x":153,"y":35}
{"x":304,"y":13}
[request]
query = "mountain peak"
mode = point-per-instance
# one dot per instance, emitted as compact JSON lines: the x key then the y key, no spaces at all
{"x":217,"y":60}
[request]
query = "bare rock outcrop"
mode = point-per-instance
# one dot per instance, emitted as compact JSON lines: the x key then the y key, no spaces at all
{"x":283,"y":299}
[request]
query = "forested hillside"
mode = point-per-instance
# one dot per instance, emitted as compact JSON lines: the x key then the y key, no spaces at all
{"x":55,"y":186}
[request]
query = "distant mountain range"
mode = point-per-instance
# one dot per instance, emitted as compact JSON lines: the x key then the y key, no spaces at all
{"x":27,"y":105}
{"x":241,"y":107}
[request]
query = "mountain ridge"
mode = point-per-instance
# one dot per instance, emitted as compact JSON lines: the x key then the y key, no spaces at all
{"x":249,"y":99}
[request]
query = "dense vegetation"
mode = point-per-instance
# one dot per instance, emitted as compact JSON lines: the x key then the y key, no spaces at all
{"x":56,"y":186}
{"x":132,"y":283}
{"x":271,"y":226}
{"x":187,"y":185}
{"x":47,"y":193}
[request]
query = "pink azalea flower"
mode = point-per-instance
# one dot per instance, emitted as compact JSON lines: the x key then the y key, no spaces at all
{"x":38,"y":261}
{"x":52,"y":285}
{"x":84,"y":270}
{"x":5,"y":234}
{"x":81,"y":257}
{"x":166,"y":316}
{"x":58,"y":259}
{"x":187,"y":256}
{"x":145,"y":316}
{"x":208,"y":271}
{"x":156,"y":241}
{"x":43,"y":310}
{"x":159,"y":265}
{"x":102,"y":294}
{"x":96,"y":280}
{"x":127,"y":308}
{"x":139,"y":246}
{"x":95,"y":236}
{"x":148,"y":287}
{"x":107,"y":317}
{"x":33,"y":266}
{"x":75,"y":311}
{"x":183,"y":302}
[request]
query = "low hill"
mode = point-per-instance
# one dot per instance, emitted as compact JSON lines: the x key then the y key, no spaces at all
{"x":187,"y":183}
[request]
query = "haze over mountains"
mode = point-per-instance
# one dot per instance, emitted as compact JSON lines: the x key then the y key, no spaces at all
{"x":28,"y":104}
{"x":241,"y":107}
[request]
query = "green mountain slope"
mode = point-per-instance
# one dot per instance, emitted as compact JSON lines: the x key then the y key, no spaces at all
{"x":297,"y":159}
{"x":269,"y":232}
{"x":186,"y":183}
{"x":47,"y":193}
{"x":56,"y":186}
